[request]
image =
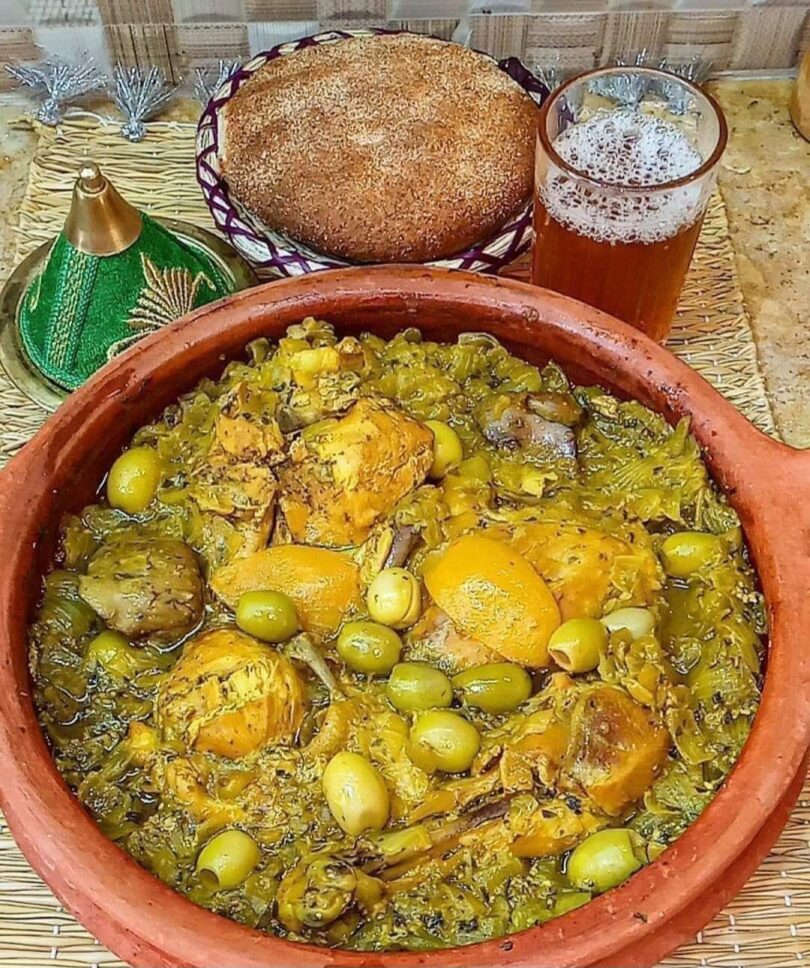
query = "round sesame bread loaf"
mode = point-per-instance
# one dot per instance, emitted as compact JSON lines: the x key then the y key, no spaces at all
{"x":387,"y":148}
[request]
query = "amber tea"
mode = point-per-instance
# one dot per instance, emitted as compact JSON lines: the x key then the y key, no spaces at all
{"x":621,"y":191}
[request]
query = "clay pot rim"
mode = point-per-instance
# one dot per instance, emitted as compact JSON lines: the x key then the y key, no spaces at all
{"x":59,"y":836}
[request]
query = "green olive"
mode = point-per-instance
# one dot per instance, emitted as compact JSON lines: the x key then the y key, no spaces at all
{"x":267,"y":615}
{"x":686,"y":552}
{"x":496,"y":687}
{"x":227,"y":859}
{"x":394,"y":598}
{"x":442,"y":740}
{"x":447,"y":450}
{"x":114,"y":653}
{"x":369,"y":648}
{"x":577,"y":644}
{"x":134,"y":479}
{"x":637,"y":621}
{"x":605,"y":859}
{"x":415,"y":686}
{"x":356,"y":793}
{"x":569,"y":902}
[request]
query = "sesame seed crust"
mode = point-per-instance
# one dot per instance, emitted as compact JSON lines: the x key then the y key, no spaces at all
{"x":389,"y":148}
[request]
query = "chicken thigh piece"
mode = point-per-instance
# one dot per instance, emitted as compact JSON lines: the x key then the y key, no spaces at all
{"x":246,"y":428}
{"x":230,"y":695}
{"x":617,"y":749}
{"x":342,"y":478}
{"x":237,"y":500}
{"x":233,"y":485}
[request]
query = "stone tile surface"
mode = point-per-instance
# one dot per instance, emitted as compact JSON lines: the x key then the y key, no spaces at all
{"x":765,"y":179}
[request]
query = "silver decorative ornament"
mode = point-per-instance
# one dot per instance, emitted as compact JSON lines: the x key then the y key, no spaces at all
{"x":696,"y":70}
{"x":60,"y":80}
{"x":551,"y":71}
{"x":208,"y":80}
{"x":138,"y":95}
{"x":629,"y":89}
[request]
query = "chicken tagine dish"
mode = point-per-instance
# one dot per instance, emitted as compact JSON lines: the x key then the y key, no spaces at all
{"x":398,"y":644}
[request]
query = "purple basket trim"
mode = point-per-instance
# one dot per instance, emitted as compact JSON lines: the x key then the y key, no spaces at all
{"x":285,"y":256}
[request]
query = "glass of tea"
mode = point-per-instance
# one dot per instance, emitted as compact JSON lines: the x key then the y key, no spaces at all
{"x":626,"y":163}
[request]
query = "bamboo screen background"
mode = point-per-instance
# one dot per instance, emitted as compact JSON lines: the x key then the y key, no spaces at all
{"x":178,"y":35}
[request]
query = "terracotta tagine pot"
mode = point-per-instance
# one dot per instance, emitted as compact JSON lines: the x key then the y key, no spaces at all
{"x":147,"y":923}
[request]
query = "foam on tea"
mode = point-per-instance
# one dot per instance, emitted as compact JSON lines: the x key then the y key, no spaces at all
{"x":624,"y":149}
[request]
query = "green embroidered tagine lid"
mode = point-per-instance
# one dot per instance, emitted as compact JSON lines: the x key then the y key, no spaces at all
{"x":113,"y":275}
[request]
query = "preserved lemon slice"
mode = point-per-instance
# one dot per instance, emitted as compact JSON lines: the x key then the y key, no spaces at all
{"x":495,"y":596}
{"x":322,"y":584}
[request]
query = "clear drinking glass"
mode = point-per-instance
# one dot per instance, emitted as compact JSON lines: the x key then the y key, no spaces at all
{"x":626,"y":163}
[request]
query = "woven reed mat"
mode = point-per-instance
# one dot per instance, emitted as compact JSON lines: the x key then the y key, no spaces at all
{"x":769,"y":923}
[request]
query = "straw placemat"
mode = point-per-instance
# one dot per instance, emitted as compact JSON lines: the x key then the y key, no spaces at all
{"x":769,"y":923}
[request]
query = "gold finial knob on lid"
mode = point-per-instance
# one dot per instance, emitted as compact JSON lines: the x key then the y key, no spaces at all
{"x":100,"y":221}
{"x":91,"y":178}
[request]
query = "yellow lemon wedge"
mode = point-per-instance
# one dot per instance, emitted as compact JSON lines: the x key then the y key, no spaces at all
{"x":322,"y":584}
{"x":495,"y":596}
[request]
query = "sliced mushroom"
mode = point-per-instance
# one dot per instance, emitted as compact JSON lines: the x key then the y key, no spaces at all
{"x":517,"y":421}
{"x":554,"y":406}
{"x":403,"y":543}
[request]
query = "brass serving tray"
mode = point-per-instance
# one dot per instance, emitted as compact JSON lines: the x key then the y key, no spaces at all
{"x":23,"y":374}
